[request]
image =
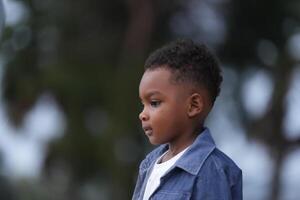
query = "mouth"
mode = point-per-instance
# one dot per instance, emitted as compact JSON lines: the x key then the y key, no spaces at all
{"x":148,"y":130}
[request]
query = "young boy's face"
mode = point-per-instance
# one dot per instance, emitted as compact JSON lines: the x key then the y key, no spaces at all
{"x":164,"y":117}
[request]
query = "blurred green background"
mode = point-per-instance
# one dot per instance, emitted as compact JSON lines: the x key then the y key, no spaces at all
{"x":70,"y":70}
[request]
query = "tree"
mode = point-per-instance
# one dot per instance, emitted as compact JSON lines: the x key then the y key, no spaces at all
{"x":88,"y":55}
{"x":253,"y":22}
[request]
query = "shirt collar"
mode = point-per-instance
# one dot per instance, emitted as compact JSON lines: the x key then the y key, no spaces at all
{"x":193,"y":159}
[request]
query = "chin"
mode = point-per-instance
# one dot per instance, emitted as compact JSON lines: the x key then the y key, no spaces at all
{"x":154,"y":142}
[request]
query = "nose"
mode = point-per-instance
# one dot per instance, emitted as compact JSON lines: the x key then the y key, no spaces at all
{"x":143,"y":115}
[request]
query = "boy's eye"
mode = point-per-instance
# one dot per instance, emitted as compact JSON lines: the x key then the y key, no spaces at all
{"x":155,"y":103}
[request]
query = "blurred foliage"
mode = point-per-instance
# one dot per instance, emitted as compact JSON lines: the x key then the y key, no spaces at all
{"x":89,"y":56}
{"x":256,"y":30}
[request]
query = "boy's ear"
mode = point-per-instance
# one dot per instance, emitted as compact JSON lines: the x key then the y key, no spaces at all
{"x":196,"y":105}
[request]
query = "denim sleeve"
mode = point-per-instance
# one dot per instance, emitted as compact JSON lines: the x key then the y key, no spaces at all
{"x":216,"y":185}
{"x":237,"y":188}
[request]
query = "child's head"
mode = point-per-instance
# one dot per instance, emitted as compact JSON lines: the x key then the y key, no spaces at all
{"x":189,"y":62}
{"x":178,"y":89}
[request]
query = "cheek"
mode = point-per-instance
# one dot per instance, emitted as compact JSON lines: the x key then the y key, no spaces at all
{"x":160,"y":118}
{"x":166,"y":117}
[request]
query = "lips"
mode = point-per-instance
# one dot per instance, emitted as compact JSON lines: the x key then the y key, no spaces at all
{"x":148,"y":130}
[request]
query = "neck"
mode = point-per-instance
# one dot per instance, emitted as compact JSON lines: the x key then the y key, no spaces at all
{"x":184,"y":142}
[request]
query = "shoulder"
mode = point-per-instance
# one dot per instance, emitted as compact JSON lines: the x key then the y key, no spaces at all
{"x":220,"y":164}
{"x":221,"y":160}
{"x":219,"y":178}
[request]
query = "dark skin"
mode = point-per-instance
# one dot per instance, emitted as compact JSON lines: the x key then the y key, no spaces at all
{"x":173,"y":112}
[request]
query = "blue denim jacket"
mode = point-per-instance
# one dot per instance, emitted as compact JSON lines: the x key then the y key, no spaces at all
{"x":202,"y":173}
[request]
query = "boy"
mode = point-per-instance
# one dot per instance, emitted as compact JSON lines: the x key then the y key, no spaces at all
{"x":178,"y":89}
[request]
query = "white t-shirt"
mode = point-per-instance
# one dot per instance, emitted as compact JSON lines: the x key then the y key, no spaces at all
{"x":159,"y":169}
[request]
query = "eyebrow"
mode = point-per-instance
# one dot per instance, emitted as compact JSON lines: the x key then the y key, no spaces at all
{"x":151,"y":94}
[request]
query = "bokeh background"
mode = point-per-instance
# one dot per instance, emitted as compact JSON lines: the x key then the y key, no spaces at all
{"x":70,"y":69}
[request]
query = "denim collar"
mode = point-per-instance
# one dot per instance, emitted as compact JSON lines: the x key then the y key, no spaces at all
{"x":192,"y":160}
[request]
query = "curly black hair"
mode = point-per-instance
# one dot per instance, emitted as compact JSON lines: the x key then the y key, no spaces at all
{"x":190,"y":62}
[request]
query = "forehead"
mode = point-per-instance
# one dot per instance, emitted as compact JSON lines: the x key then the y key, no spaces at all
{"x":158,"y":81}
